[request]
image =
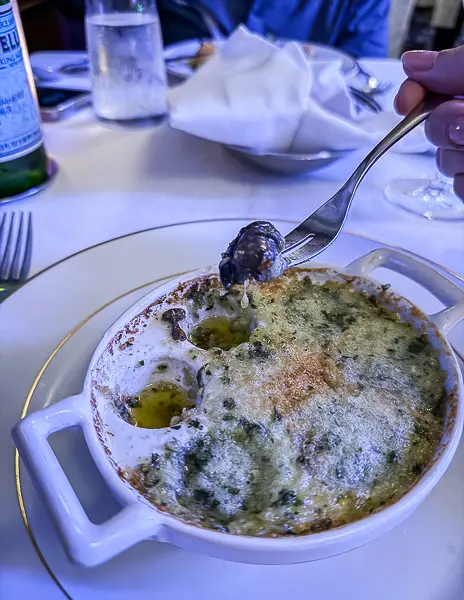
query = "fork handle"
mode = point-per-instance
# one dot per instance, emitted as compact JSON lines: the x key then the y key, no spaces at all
{"x":327,"y":221}
{"x":417,"y":115}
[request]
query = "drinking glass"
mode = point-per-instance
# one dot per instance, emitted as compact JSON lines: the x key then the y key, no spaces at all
{"x":126,"y":60}
{"x":429,"y":198}
{"x":433,"y":199}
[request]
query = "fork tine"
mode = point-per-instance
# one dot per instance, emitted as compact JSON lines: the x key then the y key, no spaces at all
{"x":366,"y":100}
{"x":381,"y":88}
{"x":293,"y":245}
{"x":2,"y":230}
{"x":27,"y":250}
{"x":384,"y":86}
{"x":358,"y":102}
{"x":363,"y":99}
{"x":2,"y":235}
{"x":15,"y":265}
{"x":5,"y":264}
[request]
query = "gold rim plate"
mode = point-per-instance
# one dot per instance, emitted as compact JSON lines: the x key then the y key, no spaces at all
{"x":89,"y":317}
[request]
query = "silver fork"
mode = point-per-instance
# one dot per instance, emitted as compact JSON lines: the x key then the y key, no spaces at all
{"x":15,"y":251}
{"x":380,"y":88}
{"x":363,"y":100}
{"x":321,"y":228}
{"x":371,"y":85}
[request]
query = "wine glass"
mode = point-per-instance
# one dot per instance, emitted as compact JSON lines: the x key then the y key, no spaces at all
{"x":432,"y":199}
{"x":429,"y":198}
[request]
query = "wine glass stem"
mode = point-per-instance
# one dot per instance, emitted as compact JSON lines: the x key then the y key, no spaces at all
{"x":437,"y":187}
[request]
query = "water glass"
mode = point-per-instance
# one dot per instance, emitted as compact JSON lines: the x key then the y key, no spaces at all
{"x":126,"y":60}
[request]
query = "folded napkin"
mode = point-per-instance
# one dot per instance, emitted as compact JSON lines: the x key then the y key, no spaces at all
{"x":259,"y":96}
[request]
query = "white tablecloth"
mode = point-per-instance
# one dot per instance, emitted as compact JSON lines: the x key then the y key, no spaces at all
{"x":113,"y":181}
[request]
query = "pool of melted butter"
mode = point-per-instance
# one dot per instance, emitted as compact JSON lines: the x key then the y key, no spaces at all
{"x":158,"y":403}
{"x":219,"y":332}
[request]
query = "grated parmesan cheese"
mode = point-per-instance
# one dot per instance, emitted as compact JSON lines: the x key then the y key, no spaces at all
{"x":330,"y":411}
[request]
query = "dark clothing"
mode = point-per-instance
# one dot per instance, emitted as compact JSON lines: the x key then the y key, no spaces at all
{"x":360,"y":27}
{"x":447,"y":38}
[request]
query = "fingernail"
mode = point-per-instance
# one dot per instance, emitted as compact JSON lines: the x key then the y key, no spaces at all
{"x":419,"y":60}
{"x":456,"y":130}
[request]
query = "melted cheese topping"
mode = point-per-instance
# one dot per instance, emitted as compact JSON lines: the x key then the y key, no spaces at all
{"x":332,"y":410}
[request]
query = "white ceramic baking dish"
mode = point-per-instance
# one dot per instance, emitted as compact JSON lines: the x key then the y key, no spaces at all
{"x":90,"y":544}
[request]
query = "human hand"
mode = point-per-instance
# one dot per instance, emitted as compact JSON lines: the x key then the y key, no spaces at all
{"x":443,"y":73}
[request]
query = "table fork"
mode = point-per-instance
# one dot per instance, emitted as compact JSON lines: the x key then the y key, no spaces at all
{"x":15,"y":251}
{"x":371,"y":85}
{"x":51,"y":74}
{"x":321,"y":228}
{"x":363,"y":100}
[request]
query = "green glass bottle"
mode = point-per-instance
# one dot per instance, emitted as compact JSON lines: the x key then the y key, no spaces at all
{"x":23,"y":160}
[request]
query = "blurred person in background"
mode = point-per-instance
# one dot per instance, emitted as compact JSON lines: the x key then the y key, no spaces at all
{"x":359,"y":27}
{"x":447,"y":20}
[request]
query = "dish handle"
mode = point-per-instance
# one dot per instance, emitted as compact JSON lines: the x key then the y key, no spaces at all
{"x":86,"y":543}
{"x":437,"y":284}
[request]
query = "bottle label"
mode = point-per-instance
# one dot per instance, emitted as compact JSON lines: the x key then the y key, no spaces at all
{"x":20,"y":131}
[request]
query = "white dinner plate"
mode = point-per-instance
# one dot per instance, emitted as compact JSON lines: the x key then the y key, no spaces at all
{"x":50,"y":63}
{"x":189,"y":48}
{"x":422,"y":559}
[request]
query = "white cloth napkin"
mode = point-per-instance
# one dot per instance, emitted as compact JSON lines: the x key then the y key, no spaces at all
{"x":256,"y":95}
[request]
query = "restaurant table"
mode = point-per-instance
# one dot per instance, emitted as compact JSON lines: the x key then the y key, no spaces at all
{"x":113,"y":181}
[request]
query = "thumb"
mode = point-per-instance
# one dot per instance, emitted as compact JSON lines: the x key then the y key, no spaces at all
{"x":440,"y":72}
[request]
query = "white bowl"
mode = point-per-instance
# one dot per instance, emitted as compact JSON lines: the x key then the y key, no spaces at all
{"x":287,"y":163}
{"x":90,"y":544}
